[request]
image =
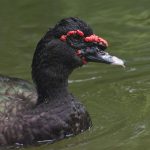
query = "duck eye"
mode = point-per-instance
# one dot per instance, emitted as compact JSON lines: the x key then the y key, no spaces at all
{"x":76,"y":37}
{"x":76,"y":41}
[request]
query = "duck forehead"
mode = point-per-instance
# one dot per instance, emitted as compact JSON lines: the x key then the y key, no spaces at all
{"x":70,"y":24}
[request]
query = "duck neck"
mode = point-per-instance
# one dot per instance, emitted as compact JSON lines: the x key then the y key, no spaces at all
{"x":51,"y":82}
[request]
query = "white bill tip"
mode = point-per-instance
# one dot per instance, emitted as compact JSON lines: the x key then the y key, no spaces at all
{"x":117,"y":61}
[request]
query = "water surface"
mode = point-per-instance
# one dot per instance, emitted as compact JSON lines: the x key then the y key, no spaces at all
{"x":118,"y":99}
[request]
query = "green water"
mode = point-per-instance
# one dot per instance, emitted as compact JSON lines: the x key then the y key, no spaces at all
{"x":118,"y":99}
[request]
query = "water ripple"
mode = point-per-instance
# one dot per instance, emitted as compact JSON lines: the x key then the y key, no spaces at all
{"x":84,"y":80}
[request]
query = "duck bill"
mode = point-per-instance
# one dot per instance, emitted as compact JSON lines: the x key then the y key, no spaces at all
{"x":104,"y":57}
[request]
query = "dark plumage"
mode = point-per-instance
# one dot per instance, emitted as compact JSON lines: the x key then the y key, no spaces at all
{"x":48,"y":111}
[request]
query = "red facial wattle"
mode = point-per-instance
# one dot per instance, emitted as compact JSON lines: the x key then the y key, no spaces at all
{"x":87,"y":39}
{"x":78,"y":32}
{"x":69,"y":33}
{"x":92,"y":38}
{"x":79,"y":54}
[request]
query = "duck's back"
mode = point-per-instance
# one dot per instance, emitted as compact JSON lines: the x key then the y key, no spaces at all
{"x":16,"y":95}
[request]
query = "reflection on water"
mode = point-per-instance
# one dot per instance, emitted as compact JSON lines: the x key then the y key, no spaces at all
{"x":83,"y":80}
{"x":118,"y":99}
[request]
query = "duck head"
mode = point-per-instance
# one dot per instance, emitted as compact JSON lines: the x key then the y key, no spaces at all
{"x":87,"y":46}
{"x":71,"y":43}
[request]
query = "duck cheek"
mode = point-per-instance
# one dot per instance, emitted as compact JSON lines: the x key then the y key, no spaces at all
{"x":80,"y":57}
{"x":78,"y":61}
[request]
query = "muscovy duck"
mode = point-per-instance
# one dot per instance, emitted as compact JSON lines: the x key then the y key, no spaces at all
{"x":48,"y":111}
